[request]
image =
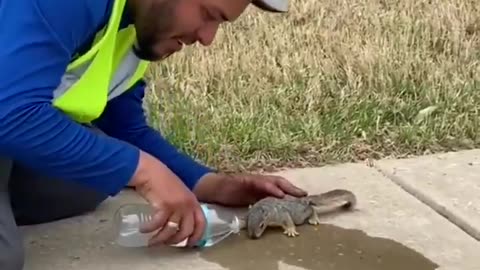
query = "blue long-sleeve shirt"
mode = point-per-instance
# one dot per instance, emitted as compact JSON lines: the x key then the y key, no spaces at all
{"x":37,"y":40}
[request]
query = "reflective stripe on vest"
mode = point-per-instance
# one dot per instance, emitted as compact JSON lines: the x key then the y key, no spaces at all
{"x":119,"y":83}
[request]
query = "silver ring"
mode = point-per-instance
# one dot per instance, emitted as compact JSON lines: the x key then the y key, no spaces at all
{"x":173,"y":225}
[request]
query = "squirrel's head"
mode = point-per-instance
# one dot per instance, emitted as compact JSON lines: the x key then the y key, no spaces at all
{"x":257,"y":221}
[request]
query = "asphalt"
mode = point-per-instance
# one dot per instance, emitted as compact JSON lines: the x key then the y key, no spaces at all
{"x":422,"y":213}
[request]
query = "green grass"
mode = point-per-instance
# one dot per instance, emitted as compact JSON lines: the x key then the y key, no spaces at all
{"x":332,"y":81}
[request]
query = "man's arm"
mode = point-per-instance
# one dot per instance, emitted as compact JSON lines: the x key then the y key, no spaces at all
{"x":124,"y":118}
{"x":35,"y":51}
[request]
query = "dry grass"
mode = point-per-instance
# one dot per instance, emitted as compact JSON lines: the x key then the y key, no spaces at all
{"x":332,"y":81}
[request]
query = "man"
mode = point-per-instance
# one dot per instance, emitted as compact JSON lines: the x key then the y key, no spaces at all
{"x":72,"y":128}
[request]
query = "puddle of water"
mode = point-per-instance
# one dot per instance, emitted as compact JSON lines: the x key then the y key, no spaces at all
{"x":323,"y":247}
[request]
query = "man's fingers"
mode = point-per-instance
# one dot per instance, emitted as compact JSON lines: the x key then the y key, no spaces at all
{"x":289,"y":188}
{"x":271,"y":188}
{"x":171,"y":228}
{"x":199,"y":229}
{"x":186,"y":230}
{"x":158,"y":221}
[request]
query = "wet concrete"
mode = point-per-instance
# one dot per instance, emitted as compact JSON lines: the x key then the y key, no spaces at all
{"x":323,"y":247}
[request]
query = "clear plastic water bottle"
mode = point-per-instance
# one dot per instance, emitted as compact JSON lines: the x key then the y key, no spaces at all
{"x":220,"y":224}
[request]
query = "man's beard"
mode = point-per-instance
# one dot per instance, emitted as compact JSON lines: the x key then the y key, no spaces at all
{"x":145,"y":50}
{"x":152,"y":27}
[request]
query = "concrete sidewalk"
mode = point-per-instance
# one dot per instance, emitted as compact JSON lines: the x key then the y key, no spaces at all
{"x":422,"y":213}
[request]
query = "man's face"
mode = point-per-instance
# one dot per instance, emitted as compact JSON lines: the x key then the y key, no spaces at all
{"x":163,"y":26}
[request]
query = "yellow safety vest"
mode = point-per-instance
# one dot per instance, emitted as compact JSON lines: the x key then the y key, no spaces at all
{"x":105,"y":71}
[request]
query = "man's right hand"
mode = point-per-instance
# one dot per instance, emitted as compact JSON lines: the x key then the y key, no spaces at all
{"x":174,"y":203}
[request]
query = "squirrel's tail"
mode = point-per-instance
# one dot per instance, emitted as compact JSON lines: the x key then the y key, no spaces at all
{"x":333,"y":200}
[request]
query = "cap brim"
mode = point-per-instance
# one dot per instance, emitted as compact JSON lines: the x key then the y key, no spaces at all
{"x":272,"y":5}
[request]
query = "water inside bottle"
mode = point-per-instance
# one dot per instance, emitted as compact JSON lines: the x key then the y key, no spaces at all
{"x":221,"y":223}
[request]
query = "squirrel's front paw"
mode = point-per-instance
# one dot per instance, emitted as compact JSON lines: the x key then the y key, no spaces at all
{"x":291,"y":232}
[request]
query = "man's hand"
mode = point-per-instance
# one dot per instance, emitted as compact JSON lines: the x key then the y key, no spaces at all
{"x":173,"y":201}
{"x":243,"y":189}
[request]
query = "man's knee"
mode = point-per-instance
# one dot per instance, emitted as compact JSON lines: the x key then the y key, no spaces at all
{"x":53,"y":200}
{"x":54,"y":203}
{"x":12,"y":255}
{"x":12,"y":259}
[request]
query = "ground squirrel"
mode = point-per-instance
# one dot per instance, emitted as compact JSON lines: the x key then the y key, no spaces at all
{"x":291,"y":211}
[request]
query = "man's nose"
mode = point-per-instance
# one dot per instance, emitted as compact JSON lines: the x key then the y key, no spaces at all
{"x":206,"y":34}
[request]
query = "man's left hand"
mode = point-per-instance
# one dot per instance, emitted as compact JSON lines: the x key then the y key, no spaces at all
{"x":243,"y":189}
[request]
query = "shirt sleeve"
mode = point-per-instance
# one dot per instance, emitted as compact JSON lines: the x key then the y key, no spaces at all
{"x":32,"y":60}
{"x":124,"y":118}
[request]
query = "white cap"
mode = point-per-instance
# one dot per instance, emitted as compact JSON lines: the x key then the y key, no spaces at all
{"x":272,"y":5}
